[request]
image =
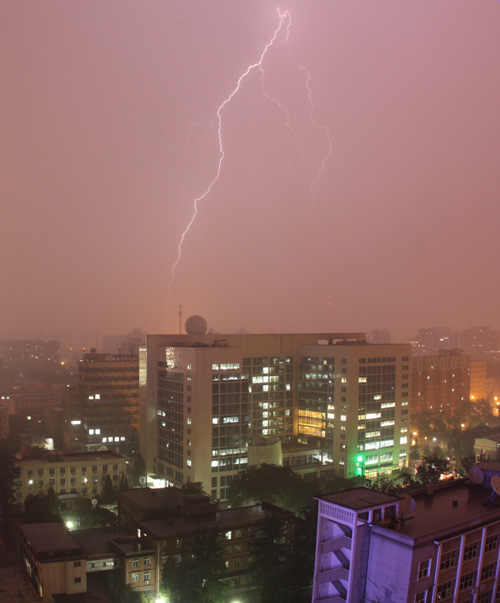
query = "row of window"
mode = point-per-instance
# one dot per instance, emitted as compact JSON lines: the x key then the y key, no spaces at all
{"x":72,"y":470}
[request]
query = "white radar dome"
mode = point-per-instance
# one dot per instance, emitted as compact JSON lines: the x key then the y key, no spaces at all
{"x":196,"y":325}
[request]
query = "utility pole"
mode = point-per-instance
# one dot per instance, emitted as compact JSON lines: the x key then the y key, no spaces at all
{"x":180,"y":319}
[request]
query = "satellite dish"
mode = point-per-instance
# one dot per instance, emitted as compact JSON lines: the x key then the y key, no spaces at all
{"x":495,"y":483}
{"x":407,"y":505}
{"x":475,"y":475}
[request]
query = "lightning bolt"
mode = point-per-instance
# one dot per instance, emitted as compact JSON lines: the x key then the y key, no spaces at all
{"x":284,"y":22}
{"x":323,"y":128}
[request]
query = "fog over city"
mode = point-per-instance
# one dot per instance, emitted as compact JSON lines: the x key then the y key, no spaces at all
{"x":359,"y":185}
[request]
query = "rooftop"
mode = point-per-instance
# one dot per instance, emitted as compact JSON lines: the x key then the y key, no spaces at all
{"x":154,"y":498}
{"x":359,"y":499}
{"x":440,"y":511}
{"x":50,"y":541}
{"x":227,"y":519}
{"x":53,"y":456}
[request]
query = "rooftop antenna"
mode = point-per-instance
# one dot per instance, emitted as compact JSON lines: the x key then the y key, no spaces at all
{"x":476,"y":475}
{"x":180,"y":319}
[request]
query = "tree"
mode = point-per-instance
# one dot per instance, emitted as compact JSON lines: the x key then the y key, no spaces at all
{"x":431,"y":469}
{"x":283,"y":558}
{"x":468,"y":461}
{"x":196,"y":579}
{"x":123,"y":483}
{"x":108,"y":494}
{"x":9,"y":472}
{"x":193,"y":488}
{"x":40,"y":509}
{"x":139,"y":467}
{"x":396,"y":483}
{"x":270,"y":483}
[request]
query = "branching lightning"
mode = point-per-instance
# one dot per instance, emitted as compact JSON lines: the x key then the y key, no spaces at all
{"x":283,"y":30}
{"x":284,"y":19}
{"x":323,"y":128}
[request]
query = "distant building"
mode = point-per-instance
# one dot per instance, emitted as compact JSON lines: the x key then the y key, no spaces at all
{"x":4,"y":421}
{"x":17,"y":354}
{"x":34,"y":403}
{"x":478,"y":380}
{"x":206,"y":395}
{"x":127,"y":344}
{"x":379,"y":336}
{"x":429,"y":342}
{"x":70,"y":474}
{"x":54,"y":561}
{"x":440,"y":383}
{"x":103,"y":411}
{"x":480,"y":342}
{"x":441,"y":544}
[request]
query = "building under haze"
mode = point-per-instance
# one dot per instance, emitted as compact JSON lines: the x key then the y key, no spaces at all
{"x":103,"y":410}
{"x":206,"y":395}
{"x":440,"y":383}
{"x":429,"y":342}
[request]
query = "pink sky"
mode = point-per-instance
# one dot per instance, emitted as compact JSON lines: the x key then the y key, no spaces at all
{"x":109,"y":132}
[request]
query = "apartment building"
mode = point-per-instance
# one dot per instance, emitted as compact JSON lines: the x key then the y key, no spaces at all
{"x":440,"y":544}
{"x":440,"y":383}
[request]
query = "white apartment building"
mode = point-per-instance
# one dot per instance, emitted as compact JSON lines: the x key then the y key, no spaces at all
{"x":440,"y":544}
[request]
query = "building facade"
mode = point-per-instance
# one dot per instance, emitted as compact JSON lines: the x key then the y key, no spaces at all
{"x":354,"y":399}
{"x":205,"y":395}
{"x":440,"y":383}
{"x":70,"y":474}
{"x":53,"y":560}
{"x":104,"y":409}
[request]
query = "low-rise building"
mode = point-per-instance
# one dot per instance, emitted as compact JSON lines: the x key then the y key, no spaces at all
{"x":70,"y":474}
{"x":172,"y":533}
{"x":54,"y":561}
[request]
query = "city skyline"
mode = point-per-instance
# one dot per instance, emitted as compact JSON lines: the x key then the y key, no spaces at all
{"x":110,"y":134}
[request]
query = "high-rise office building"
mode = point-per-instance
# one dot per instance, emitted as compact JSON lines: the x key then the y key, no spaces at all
{"x":355,"y":397}
{"x":206,"y":395}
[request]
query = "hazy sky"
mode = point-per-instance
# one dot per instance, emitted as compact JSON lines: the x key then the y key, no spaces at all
{"x":108,"y":117}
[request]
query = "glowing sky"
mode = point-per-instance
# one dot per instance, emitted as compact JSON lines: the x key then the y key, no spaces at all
{"x":108,"y":116}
